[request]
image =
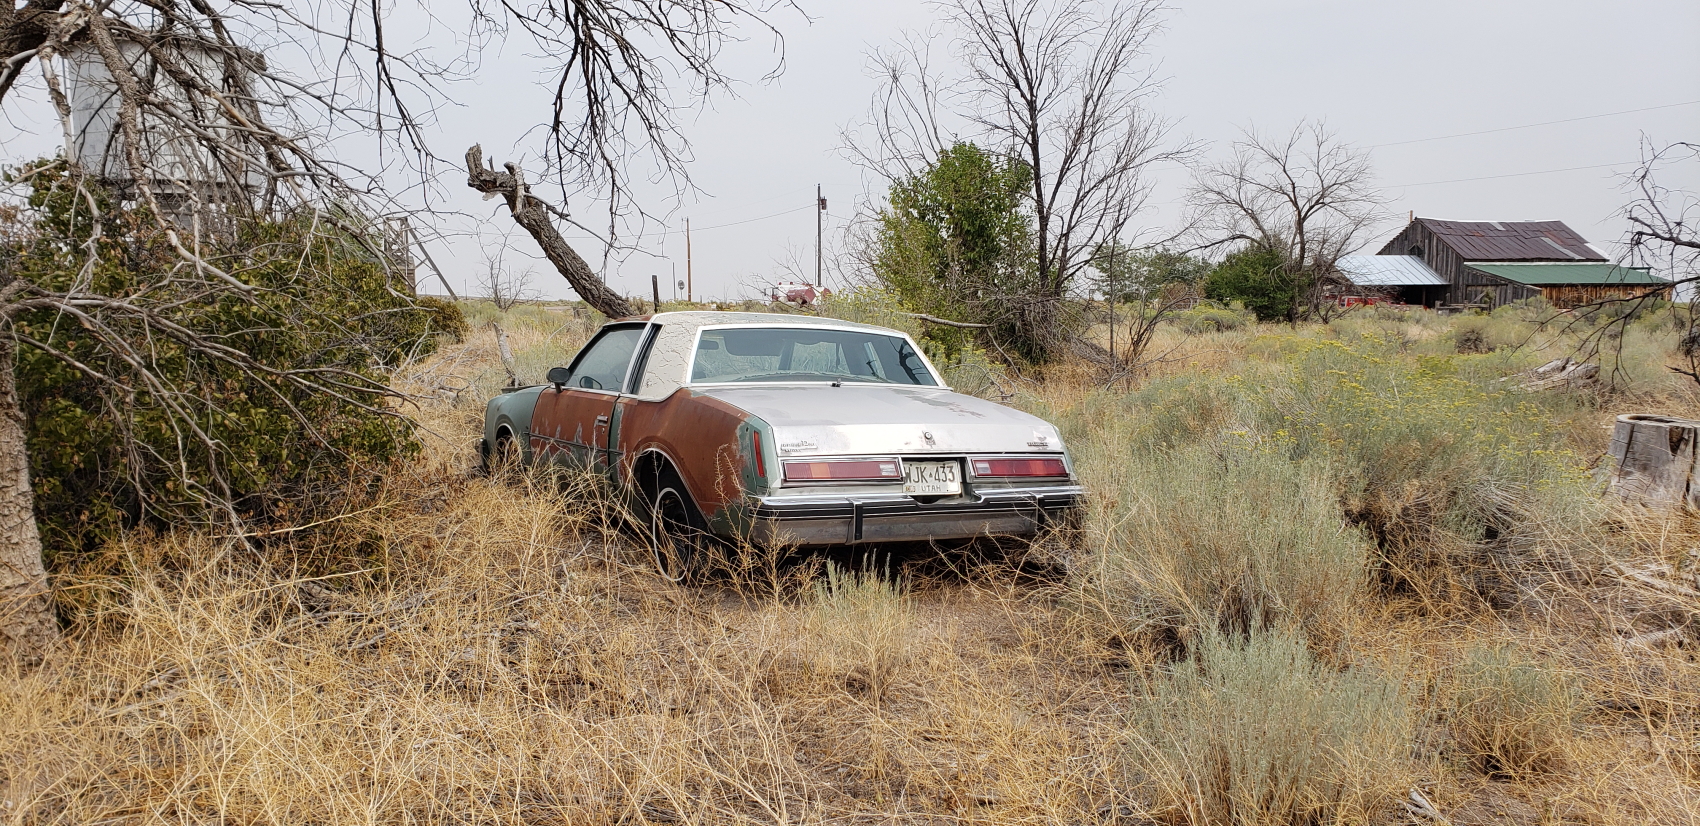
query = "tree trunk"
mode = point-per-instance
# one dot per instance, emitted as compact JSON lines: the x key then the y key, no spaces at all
{"x":27,"y":627}
{"x":530,"y":212}
{"x":1654,"y":460}
{"x":23,"y":29}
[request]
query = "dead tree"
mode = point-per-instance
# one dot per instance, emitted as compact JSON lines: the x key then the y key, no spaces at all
{"x":533,"y":214}
{"x":1060,"y":85}
{"x":613,"y":102}
{"x":1662,"y":234}
{"x":505,"y":288}
{"x":1305,"y":194}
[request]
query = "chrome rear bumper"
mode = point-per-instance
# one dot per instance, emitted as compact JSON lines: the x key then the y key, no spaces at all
{"x":840,"y":520}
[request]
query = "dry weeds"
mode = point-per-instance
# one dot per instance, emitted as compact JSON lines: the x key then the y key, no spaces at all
{"x":466,"y":650}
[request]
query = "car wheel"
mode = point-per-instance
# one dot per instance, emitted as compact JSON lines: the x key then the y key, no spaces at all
{"x":504,"y":456}
{"x":678,"y":537}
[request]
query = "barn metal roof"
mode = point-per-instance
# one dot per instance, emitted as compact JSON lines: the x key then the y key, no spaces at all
{"x":1388,"y":271}
{"x":1560,"y":273}
{"x":1513,"y":240}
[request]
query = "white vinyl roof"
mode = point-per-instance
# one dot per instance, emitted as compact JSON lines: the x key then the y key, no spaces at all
{"x":1388,"y":271}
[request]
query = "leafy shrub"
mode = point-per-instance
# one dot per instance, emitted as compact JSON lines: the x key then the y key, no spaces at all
{"x":1254,"y":731}
{"x":1259,"y":278}
{"x":1206,"y":318}
{"x":1510,"y":715}
{"x":1477,"y":334}
{"x":445,"y":316}
{"x":479,"y":313}
{"x":1233,"y":538}
{"x":954,"y":241}
{"x":871,"y":305}
{"x":1534,"y":309}
{"x":973,"y":372}
{"x":103,"y":458}
{"x":1104,"y":426}
{"x":1456,"y":480}
{"x":1639,"y":358}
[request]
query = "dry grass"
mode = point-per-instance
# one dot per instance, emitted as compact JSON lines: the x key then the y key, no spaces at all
{"x":1253,"y":731}
{"x":1512,"y":715}
{"x":464,"y":650}
{"x":1229,"y":538}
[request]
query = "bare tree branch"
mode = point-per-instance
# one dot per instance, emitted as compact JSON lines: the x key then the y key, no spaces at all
{"x":1304,"y":194}
{"x":1663,"y":234}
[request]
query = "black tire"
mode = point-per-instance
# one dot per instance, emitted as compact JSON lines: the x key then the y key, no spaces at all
{"x":679,"y":540}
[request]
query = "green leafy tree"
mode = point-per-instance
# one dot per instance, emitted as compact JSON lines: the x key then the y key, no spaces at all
{"x":1127,"y":273}
{"x":954,"y":242}
{"x":1263,"y":280}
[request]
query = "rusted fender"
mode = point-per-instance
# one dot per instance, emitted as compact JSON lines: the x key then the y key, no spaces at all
{"x":711,"y":444}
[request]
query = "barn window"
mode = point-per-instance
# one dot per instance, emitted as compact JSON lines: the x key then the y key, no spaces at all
{"x":1416,"y":250}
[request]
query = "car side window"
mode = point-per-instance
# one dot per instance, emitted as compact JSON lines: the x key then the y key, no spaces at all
{"x":602,"y":365}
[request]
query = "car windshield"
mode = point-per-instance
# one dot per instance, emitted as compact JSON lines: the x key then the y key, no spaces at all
{"x":763,"y":354}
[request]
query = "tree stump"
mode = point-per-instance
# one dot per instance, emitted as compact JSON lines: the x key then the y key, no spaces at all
{"x":1655,"y":460}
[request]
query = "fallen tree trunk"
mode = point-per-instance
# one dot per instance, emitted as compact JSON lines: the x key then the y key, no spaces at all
{"x":1559,"y":373}
{"x":531,"y":213}
{"x":961,"y":325}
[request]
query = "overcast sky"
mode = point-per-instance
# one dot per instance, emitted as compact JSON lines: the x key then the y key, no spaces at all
{"x":1399,"y":77}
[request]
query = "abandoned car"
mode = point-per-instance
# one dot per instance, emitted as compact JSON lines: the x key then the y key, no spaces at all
{"x":780,"y":429}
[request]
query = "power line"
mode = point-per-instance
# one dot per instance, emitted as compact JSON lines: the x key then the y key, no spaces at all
{"x":753,"y":220}
{"x":792,"y":193}
{"x":1511,"y":175}
{"x":665,"y":231}
{"x":1533,"y":125}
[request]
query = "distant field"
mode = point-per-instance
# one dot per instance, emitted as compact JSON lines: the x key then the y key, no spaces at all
{"x":1323,"y":566}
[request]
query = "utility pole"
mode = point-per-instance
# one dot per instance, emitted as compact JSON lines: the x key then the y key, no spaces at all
{"x":673,"y":280}
{"x":1112,"y":302}
{"x":820,"y":213}
{"x":655,"y":287}
{"x":689,"y":284}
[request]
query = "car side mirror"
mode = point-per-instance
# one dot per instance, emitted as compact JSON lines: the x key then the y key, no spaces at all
{"x":559,"y":376}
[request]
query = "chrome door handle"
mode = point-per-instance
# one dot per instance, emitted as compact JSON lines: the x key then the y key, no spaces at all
{"x":601,"y":419}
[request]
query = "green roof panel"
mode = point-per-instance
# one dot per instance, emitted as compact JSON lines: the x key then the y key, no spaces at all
{"x":1569,"y":272}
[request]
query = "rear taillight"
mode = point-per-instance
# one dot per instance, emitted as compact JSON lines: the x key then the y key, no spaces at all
{"x":760,"y":460}
{"x":1019,"y":467}
{"x":850,"y":470}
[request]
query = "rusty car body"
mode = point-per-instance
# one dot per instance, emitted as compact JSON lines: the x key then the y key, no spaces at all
{"x":783,"y":429}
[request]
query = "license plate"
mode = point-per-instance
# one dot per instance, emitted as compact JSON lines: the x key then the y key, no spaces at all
{"x":931,"y":478}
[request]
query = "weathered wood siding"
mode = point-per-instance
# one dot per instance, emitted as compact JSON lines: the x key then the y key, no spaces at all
{"x":1479,"y":288}
{"x":1417,"y":240}
{"x":1576,"y":295}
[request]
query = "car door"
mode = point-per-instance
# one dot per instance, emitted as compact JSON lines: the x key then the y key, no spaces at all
{"x":570,"y":424}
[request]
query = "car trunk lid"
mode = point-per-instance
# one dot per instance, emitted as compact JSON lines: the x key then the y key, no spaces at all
{"x":864,"y":419}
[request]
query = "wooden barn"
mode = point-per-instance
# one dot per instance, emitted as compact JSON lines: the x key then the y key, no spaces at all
{"x":1489,"y":263}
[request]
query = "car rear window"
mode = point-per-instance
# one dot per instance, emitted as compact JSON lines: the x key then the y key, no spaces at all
{"x":785,"y":354}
